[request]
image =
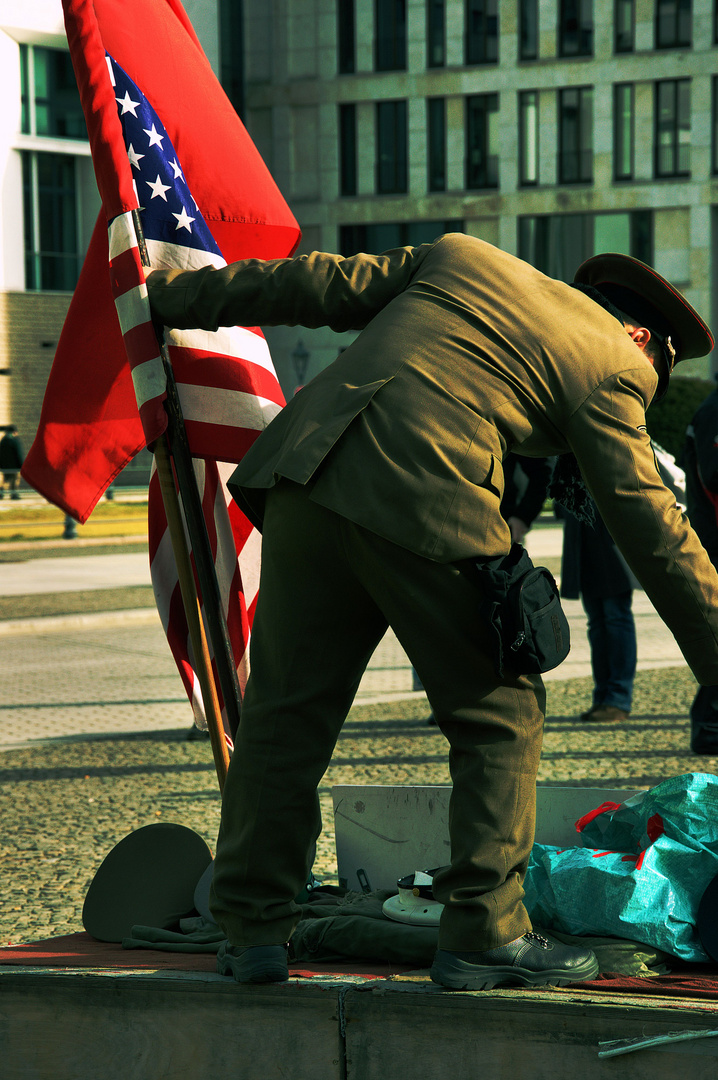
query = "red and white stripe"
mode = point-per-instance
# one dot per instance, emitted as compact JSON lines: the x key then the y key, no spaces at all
{"x":226,"y":381}
{"x":235,"y":547}
{"x":229,"y":393}
{"x":127,"y":278}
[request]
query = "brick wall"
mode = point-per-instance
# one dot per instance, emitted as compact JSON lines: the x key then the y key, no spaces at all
{"x":30,"y":325}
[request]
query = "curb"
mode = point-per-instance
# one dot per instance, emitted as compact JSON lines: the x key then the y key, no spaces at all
{"x":50,"y":624}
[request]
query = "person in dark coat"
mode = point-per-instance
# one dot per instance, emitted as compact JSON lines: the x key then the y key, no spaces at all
{"x":700,"y":462}
{"x":592,"y":569}
{"x":11,"y":459}
{"x":526,"y":482}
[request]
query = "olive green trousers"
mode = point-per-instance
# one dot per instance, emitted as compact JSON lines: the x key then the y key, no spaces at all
{"x":328,"y":591}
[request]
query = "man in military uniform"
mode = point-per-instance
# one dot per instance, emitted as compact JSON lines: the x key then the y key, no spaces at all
{"x":373,"y":485}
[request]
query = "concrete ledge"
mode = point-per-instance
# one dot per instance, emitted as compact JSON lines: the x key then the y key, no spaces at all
{"x":149,"y":1025}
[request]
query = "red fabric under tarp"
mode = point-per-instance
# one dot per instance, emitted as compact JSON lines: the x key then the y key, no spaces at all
{"x":82,"y":951}
{"x":688,"y":981}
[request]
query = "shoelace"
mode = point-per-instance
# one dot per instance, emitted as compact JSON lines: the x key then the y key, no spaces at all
{"x":542,"y":942}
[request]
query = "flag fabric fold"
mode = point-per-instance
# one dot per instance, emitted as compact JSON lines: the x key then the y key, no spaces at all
{"x":90,"y":426}
{"x":168,"y":147}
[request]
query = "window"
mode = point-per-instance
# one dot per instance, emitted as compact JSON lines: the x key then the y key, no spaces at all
{"x":390,"y":35}
{"x":672,"y":142}
{"x":52,"y":258}
{"x":231,"y":53}
{"x":528,"y":137}
{"x":377,"y":238}
{"x":482,"y":141}
{"x":528,"y":29}
{"x":575,"y":133}
{"x":714,"y":143}
{"x":624,"y":25}
{"x":557,"y":244}
{"x":673,"y":23}
{"x":391,"y":167}
{"x":482,"y":32}
{"x":50,"y":101}
{"x":623,"y":131}
{"x":347,"y":150}
{"x":346,"y":37}
{"x":436,"y":134}
{"x":575,"y":28}
{"x":435,"y":33}
{"x":52,"y":181}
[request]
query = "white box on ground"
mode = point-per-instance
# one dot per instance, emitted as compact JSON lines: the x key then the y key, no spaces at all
{"x":384,"y":833}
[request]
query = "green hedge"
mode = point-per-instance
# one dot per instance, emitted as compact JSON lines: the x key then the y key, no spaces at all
{"x":668,"y":419}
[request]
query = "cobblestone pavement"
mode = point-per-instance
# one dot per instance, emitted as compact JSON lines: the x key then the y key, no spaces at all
{"x":65,"y":804}
{"x":93,"y":725}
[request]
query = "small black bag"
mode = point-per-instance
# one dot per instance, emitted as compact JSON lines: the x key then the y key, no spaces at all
{"x":522,"y":605}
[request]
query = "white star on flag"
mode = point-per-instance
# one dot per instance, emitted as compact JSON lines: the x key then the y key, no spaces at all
{"x":158,"y":188}
{"x":127,"y":104}
{"x":154,"y":136}
{"x":183,"y":220}
{"x":134,"y":157}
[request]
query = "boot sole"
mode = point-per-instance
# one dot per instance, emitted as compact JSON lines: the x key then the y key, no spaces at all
{"x":460,"y":975}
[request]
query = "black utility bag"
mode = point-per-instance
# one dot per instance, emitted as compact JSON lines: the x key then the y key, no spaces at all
{"x":522,"y":606}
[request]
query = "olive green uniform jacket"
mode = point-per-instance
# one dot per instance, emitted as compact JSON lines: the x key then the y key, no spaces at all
{"x":466,"y":353}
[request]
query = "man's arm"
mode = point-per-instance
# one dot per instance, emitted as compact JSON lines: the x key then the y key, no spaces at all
{"x":311,"y":290}
{"x":608,"y":436}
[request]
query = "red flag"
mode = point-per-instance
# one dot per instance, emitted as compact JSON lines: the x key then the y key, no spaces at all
{"x":164,"y":138}
{"x":90,"y":425}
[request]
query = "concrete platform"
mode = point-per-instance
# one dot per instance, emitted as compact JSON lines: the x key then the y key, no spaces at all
{"x":146,"y":1025}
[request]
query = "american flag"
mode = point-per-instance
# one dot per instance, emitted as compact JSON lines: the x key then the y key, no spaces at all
{"x":226,"y":382}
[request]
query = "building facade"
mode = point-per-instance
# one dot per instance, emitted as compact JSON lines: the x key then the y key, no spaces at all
{"x":48,"y":201}
{"x":553,"y":128}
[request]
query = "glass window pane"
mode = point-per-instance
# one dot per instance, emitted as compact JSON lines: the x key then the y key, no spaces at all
{"x":345,"y":36}
{"x":391,"y":147}
{"x":528,"y":29}
{"x":390,"y":35}
{"x":624,"y":23}
{"x":51,"y":226}
{"x":347,"y":150}
{"x":24,"y":91}
{"x":58,"y":111}
{"x":482,"y":31}
{"x":557,"y":244}
{"x":528,"y":137}
{"x":623,"y":126}
{"x":612,"y":232}
{"x":436,"y":120}
{"x":576,"y":28}
{"x":575,"y":135}
{"x":482,"y":163}
{"x":435,"y":33}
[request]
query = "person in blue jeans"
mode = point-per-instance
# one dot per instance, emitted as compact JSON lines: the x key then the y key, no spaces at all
{"x":592,"y":569}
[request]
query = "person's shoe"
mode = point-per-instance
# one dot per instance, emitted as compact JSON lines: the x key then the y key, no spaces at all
{"x":605,"y":714}
{"x":531,"y":960}
{"x":253,"y":963}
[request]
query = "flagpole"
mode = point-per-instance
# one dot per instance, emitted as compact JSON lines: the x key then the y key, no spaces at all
{"x":197,"y":528}
{"x":178,"y":447}
{"x":190,"y":600}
